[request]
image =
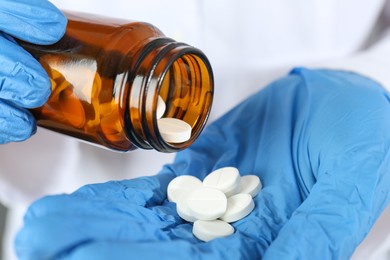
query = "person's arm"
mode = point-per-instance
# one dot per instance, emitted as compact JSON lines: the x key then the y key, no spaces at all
{"x":318,"y":139}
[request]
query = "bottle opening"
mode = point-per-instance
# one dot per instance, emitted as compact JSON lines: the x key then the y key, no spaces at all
{"x":186,"y":90}
{"x":176,"y":98}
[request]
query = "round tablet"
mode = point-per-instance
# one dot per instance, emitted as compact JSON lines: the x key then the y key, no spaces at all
{"x":208,"y":230}
{"x":226,"y":179}
{"x":206,"y":203}
{"x":238,"y":207}
{"x":181,"y":184}
{"x":160,"y":107}
{"x":250,"y":184}
{"x":183,"y":210}
{"x":174,"y":130}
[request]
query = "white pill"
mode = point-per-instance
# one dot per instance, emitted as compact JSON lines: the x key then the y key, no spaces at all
{"x":160,"y":107}
{"x":250,"y":184}
{"x":226,"y":179}
{"x":208,"y":230}
{"x":238,"y":207}
{"x":183,"y":210}
{"x":206,"y":203}
{"x":180,"y":185}
{"x":174,"y":130}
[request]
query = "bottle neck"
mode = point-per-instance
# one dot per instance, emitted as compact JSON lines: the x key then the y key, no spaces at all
{"x":179,"y":74}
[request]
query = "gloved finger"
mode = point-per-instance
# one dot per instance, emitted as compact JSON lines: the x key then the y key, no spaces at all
{"x":35,"y":21}
{"x":16,"y":124}
{"x":112,"y":197}
{"x":61,"y":233}
{"x":336,"y":112}
{"x":23,"y":81}
{"x":143,"y":191}
{"x":233,"y":247}
{"x":102,"y":211}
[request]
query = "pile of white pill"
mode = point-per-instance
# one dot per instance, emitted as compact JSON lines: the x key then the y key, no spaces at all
{"x":222,"y":198}
{"x":172,"y":130}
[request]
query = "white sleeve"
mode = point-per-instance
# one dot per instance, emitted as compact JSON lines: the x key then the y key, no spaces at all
{"x":36,"y":167}
{"x":373,"y":62}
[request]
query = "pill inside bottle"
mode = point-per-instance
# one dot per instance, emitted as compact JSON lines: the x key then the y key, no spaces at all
{"x":114,"y":80}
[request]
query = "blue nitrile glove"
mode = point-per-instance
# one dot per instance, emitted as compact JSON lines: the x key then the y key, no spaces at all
{"x":318,"y":139}
{"x":23,"y":82}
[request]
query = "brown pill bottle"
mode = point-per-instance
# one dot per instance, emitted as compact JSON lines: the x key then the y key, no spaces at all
{"x":107,"y":76}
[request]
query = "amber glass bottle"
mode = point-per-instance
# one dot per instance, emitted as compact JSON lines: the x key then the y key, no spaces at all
{"x":107,"y":76}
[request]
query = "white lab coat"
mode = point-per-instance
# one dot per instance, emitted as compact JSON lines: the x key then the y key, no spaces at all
{"x":249,"y":43}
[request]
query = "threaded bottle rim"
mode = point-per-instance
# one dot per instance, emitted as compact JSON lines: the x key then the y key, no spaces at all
{"x":182,"y":76}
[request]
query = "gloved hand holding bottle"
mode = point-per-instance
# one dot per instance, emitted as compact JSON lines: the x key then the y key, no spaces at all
{"x":318,"y":139}
{"x":23,"y":82}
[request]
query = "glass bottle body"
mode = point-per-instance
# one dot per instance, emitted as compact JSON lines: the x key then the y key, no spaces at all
{"x":107,"y":75}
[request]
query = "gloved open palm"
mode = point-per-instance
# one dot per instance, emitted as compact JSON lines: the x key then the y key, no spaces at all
{"x":319,"y":140}
{"x":23,"y":82}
